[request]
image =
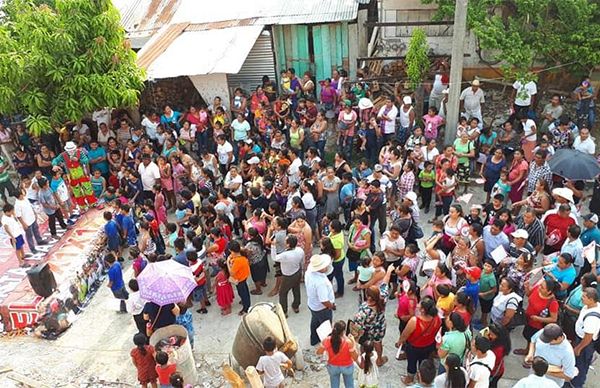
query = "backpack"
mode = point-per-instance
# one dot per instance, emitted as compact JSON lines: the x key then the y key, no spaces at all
{"x":597,"y":341}
{"x":519,"y":318}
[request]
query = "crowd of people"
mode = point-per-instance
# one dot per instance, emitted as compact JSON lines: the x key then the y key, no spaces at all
{"x":241,"y":188}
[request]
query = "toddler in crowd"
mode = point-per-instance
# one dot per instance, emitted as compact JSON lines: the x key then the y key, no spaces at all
{"x":164,"y":370}
{"x":445,"y":299}
{"x":362,"y":136}
{"x":286,"y":83}
{"x":363,"y":189}
{"x":502,"y":186}
{"x":461,"y":127}
{"x":365,"y":272}
{"x":474,"y":216}
{"x":432,"y":122}
{"x":269,"y":365}
{"x":471,"y":289}
{"x":368,"y":373}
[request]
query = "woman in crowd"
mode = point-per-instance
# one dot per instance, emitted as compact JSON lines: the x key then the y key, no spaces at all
{"x":359,"y":241}
{"x":464,"y":150}
{"x":505,"y":304}
{"x":259,"y":266}
{"x":539,"y":200}
{"x":500,"y":340}
{"x":490,"y":170}
{"x":457,"y":338}
{"x":454,"y":225}
{"x":542,"y":308}
{"x":341,"y":354}
{"x":370,"y":317}
{"x":418,"y":337}
{"x":517,"y":174}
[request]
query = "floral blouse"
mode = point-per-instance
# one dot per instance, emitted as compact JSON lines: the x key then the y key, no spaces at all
{"x":370,"y":321}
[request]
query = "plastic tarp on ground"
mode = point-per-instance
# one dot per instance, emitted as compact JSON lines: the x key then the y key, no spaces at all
{"x":202,"y":52}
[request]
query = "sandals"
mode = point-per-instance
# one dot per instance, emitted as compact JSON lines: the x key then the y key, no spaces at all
{"x":383,"y":359}
{"x":407,"y":380}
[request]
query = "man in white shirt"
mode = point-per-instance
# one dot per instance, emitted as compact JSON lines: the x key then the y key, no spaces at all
{"x":319,"y":294}
{"x":481,"y":364}
{"x":584,"y":142}
{"x":26,"y":215}
{"x":291,"y":264}
{"x":537,"y":379}
{"x":224,"y":153}
{"x":523,"y":96}
{"x":387,"y":116}
{"x":587,"y":328}
{"x":233,"y":181}
{"x":471,"y":100}
{"x":149,"y":174}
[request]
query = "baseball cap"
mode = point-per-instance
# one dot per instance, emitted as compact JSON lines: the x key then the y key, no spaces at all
{"x":591,"y":217}
{"x":551,"y":332}
{"x":378,"y":168}
{"x":474,"y":272}
{"x":520,"y":233}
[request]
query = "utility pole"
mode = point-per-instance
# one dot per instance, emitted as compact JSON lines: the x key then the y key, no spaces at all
{"x":456,"y":69}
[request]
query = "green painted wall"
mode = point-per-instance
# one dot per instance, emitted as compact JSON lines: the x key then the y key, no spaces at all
{"x":330,"y":48}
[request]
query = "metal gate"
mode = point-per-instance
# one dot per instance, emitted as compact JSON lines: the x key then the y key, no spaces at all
{"x":260,"y":61}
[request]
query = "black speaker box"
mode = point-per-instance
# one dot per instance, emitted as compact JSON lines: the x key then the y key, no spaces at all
{"x":42,"y":280}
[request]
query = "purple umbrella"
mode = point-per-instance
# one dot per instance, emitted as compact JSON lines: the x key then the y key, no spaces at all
{"x":166,"y":282}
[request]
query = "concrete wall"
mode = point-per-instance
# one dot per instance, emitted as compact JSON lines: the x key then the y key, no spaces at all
{"x":393,"y":41}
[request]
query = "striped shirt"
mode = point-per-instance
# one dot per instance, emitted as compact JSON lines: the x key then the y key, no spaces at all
{"x":537,"y":235}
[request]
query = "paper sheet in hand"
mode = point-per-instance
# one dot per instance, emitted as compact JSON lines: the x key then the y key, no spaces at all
{"x":466,"y":198}
{"x":499,"y":254}
{"x":589,"y":252}
{"x":429,"y":265}
{"x":324,"y":330}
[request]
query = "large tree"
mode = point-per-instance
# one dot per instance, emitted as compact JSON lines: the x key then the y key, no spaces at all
{"x":61,"y":59}
{"x":524,"y":33}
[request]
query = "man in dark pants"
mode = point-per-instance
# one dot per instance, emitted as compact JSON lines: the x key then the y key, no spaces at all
{"x":319,"y":294}
{"x":587,"y":328}
{"x":376,"y":207}
{"x":6,"y":185}
{"x":50,"y":205}
{"x":291,"y":271}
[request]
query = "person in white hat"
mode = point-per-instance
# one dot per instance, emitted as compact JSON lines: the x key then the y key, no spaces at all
{"x":77,"y":166}
{"x":472,"y":100}
{"x":319,"y":294}
{"x":591,"y":232}
{"x":387,"y":118}
{"x":520,"y":245}
{"x":410,"y":200}
{"x":407,"y":119}
{"x":562,"y":196}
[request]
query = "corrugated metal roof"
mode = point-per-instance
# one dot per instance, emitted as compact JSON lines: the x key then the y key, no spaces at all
{"x":198,"y":52}
{"x":146,"y":16}
{"x":268,"y":11}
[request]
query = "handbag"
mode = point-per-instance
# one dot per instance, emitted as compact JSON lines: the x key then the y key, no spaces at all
{"x":519,"y":318}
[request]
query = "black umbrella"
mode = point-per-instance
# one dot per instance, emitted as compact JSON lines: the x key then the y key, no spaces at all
{"x":574,"y":165}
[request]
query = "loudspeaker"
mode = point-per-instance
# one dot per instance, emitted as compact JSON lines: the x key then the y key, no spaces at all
{"x":42,"y":280}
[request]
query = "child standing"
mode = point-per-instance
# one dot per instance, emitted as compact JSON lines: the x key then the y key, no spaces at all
{"x":159,"y":205}
{"x":368,"y":373}
{"x":269,"y":365}
{"x":487,"y":290}
{"x":128,"y":226}
{"x":164,"y":370}
{"x":142,"y":357}
{"x":223,"y":288}
{"x":472,"y":287}
{"x":199,"y":272}
{"x":113,"y":239}
{"x":15,"y":231}
{"x":426,"y":183}
{"x":59,"y":187}
{"x":432,"y":122}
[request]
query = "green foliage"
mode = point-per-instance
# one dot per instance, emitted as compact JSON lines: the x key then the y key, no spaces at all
{"x":417,"y":61}
{"x":61,"y":59}
{"x":528,"y":32}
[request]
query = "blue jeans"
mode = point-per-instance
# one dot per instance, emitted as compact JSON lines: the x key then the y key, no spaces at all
{"x":583,"y":362}
{"x":345,"y":147}
{"x":244,"y":293}
{"x":345,"y":371}
{"x":338,"y":274}
{"x":123,"y":295}
{"x":202,"y":140}
{"x":321,"y":148}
